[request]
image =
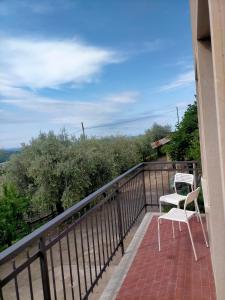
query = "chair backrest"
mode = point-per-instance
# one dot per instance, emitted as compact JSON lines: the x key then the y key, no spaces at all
{"x":184,"y":178}
{"x":192,"y":196}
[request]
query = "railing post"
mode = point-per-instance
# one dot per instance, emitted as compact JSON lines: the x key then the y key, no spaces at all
{"x":44,"y":270}
{"x":1,"y":296}
{"x":144,"y":190}
{"x":195,"y":175}
{"x":120,"y":224}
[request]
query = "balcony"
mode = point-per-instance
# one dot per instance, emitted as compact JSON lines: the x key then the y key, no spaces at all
{"x":67,"y":257}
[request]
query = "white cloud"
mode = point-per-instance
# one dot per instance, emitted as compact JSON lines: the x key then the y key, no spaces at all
{"x":66,"y":112}
{"x":124,"y":97}
{"x":146,"y":47}
{"x":38,"y":63}
{"x":154,"y":45}
{"x":29,"y":65}
{"x":182,"y":80}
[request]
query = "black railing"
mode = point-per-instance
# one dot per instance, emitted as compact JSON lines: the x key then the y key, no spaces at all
{"x":65,"y":258}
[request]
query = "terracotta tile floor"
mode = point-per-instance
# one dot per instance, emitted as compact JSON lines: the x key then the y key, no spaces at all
{"x":173,"y":273}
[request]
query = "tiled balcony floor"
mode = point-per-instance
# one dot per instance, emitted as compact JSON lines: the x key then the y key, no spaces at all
{"x":173,"y":273}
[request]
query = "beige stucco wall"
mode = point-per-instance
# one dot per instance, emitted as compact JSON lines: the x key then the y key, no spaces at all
{"x":208,"y":27}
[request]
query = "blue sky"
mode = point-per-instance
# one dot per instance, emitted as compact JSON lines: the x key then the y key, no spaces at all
{"x":115,"y":65}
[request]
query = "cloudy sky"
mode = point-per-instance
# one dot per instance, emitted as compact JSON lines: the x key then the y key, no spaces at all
{"x":115,"y":65}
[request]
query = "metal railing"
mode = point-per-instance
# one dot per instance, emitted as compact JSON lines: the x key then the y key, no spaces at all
{"x":65,"y":258}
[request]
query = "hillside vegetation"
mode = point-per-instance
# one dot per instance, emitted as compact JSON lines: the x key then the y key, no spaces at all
{"x":53,"y":172}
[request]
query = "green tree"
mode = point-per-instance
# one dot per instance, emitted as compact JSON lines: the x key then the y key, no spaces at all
{"x":124,"y":151}
{"x":156,"y":132}
{"x":184,"y":143}
{"x":13,"y":210}
{"x":37,"y":172}
{"x":57,"y":171}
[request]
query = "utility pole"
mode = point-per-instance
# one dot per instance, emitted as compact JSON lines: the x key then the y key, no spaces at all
{"x":178,"y":119}
{"x":82,"y":125}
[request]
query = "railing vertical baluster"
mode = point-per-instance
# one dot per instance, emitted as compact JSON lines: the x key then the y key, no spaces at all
{"x":106,"y":231}
{"x":140,"y":203}
{"x":93,"y":244}
{"x":116,"y":219}
{"x":77,"y":262}
{"x":70,"y":265}
{"x":126,"y":203}
{"x":140,"y":196}
{"x":120,"y":221}
{"x":102,"y":240}
{"x":195,"y":175}
{"x":129,"y":203}
{"x":89,"y":255}
{"x":157,"y":193}
{"x":132,"y":198}
{"x":136,"y":185}
{"x":136,"y":196}
{"x":1,"y":294}
{"x":112,"y":222}
{"x":162,"y":182}
{"x":83,"y":258}
{"x":144,"y":190}
{"x":44,"y":270}
{"x":176,"y":167}
{"x":53,"y":272}
{"x":62,"y":269}
{"x":98,"y":243}
{"x":144,"y":195}
{"x":29,"y":278}
{"x":122,"y":206}
{"x":109,"y":228}
{"x":16,"y":282}
{"x":150,"y":185}
{"x":168,"y":177}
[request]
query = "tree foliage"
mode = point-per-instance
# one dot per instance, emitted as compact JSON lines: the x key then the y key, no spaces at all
{"x":53,"y":172}
{"x":13,"y":209}
{"x":156,"y":132}
{"x":184,"y":143}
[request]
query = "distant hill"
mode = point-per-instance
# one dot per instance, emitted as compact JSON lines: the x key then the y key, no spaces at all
{"x":6,"y":153}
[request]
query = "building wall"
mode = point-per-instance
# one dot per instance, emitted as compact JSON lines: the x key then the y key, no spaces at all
{"x":208,"y":31}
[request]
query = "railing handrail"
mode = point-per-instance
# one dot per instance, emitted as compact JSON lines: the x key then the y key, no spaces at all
{"x":16,"y":248}
{"x":170,"y":162}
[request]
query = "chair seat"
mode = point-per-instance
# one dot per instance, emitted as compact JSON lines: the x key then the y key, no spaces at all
{"x":172,"y":198}
{"x":177,"y":214}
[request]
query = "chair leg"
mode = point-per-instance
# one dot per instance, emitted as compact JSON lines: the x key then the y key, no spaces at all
{"x":160,"y":210}
{"x":159,"y":234}
{"x":197,"y":210}
{"x":173,"y":230}
{"x":192,"y":242}
{"x":179,"y":222}
{"x":180,"y":226}
{"x":203,"y":230}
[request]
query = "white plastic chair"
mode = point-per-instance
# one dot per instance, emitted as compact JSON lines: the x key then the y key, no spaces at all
{"x":176,"y":198}
{"x":184,"y":215}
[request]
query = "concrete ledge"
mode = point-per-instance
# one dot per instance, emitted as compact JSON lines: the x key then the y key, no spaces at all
{"x":114,"y":284}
